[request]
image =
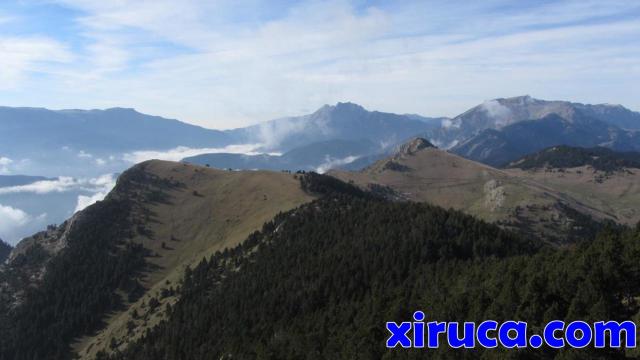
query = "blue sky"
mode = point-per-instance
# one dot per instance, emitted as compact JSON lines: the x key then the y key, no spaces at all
{"x":224,"y":64}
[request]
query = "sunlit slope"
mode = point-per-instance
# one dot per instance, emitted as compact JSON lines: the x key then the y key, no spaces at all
{"x":424,"y":173}
{"x":210,"y":211}
{"x":616,"y":193}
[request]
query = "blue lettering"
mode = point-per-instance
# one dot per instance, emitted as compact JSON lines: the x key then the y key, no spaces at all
{"x":520,"y":339}
{"x":418,"y":329}
{"x":435,"y":328}
{"x":483,"y":334}
{"x":615,"y":330}
{"x":550,"y":331}
{"x":398,"y":334}
{"x":468,"y":339}
{"x":585,"y":331}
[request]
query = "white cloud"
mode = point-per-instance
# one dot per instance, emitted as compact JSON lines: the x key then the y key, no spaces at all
{"x":273,"y":132}
{"x":85,"y":201}
{"x":331,"y":163}
{"x":4,"y":165}
{"x":85,"y":155}
{"x":63,"y":184}
{"x":10,"y":216}
{"x":13,"y":220}
{"x":182,"y":152}
{"x":20,"y":56}
{"x":448,"y":123}
{"x":497,"y":111}
{"x":101,"y":186}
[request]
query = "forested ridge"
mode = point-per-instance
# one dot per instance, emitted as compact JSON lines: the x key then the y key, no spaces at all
{"x":87,"y":279}
{"x":319,"y":282}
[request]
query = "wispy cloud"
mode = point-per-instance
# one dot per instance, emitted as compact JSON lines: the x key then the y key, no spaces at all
{"x":229,"y":63}
{"x":331,"y":163}
{"x":27,"y":56}
{"x":182,"y":152}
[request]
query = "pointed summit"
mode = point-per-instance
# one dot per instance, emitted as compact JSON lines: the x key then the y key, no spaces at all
{"x":413,"y":146}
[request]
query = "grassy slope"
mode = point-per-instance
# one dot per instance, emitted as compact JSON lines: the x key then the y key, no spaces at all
{"x":617,"y":193}
{"x":215,"y":209}
{"x":448,"y":180}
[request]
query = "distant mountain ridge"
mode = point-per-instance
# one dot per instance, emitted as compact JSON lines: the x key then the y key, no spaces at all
{"x":77,"y":135}
{"x":316,"y":156}
{"x":503,"y":130}
{"x":100,"y":131}
{"x":345,"y":121}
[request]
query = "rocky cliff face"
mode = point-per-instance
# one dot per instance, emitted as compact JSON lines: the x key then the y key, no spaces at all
{"x":24,"y":266}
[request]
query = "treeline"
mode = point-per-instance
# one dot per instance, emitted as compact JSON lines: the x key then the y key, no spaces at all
{"x":320,"y":282}
{"x":600,"y":158}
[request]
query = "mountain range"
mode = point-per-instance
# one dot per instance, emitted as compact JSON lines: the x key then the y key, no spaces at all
{"x":85,"y":147}
{"x":502,"y":130}
{"x":94,"y":142}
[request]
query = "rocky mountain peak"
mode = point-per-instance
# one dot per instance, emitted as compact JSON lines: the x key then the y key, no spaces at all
{"x":413,"y":146}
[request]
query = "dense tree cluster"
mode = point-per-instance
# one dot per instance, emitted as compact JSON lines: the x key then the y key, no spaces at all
{"x":600,"y":158}
{"x":77,"y":289}
{"x":5,"y":249}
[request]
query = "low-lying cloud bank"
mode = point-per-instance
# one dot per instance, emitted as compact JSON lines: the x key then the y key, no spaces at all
{"x":91,"y":190}
{"x":181,"y":152}
{"x":63,"y":184}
